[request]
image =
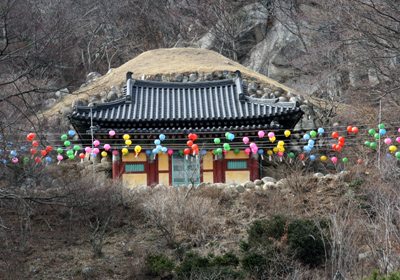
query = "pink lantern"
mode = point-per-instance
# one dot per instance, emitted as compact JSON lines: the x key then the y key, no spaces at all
{"x":246,"y":140}
{"x":398,"y":139}
{"x":247,"y":151}
{"x":170,"y":152}
{"x":88,"y":149}
{"x":96,"y":151}
{"x":280,"y":154}
{"x":225,"y":152}
{"x":59,"y":158}
{"x":252,"y":145}
{"x":15,"y":160}
{"x":271,"y":135}
{"x":115,"y":152}
{"x":261,"y":134}
{"x":334,"y":159}
{"x":254,"y":150}
{"x":112,"y":132}
{"x":398,"y":130}
{"x":107,"y":147}
{"x":388,"y":141}
{"x":96,"y":143}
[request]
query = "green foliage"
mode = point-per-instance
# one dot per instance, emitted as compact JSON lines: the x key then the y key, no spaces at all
{"x":196,"y":267}
{"x":158,"y":265}
{"x":254,"y":263}
{"x":377,"y":276}
{"x":299,"y":237}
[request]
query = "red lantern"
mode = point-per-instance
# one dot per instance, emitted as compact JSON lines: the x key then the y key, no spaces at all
{"x":82,"y":155}
{"x":186,"y":151}
{"x":335,"y":134}
{"x":338,"y":148}
{"x":190,"y":136}
{"x":197,"y":151}
{"x":302,"y":157}
{"x":189,"y":143}
{"x":33,"y":151}
{"x":194,"y":137}
{"x":355,"y":129}
{"x":37,"y":159}
{"x":334,"y":147}
{"x":35,"y":144}
{"x":195,"y":147}
{"x":30,"y":136}
{"x":43,"y":153}
{"x":360,"y":161}
{"x":341,"y":144}
{"x":341,"y":139}
{"x":349,"y":129}
{"x":49,"y":148}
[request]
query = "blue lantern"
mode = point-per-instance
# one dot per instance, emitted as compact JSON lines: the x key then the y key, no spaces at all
{"x":13,"y":153}
{"x":306,"y":136}
{"x":164,"y":150}
{"x":382,"y":131}
{"x":148,"y":152}
{"x":71,"y":133}
{"x":162,"y":137}
{"x":321,"y":130}
{"x":155,"y":151}
{"x":231,"y":136}
{"x":23,"y":148}
{"x":203,"y":152}
{"x":157,"y":142}
{"x":312,"y":157}
{"x":48,"y":159}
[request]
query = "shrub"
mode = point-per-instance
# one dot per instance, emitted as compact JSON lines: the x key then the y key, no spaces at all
{"x":158,"y":265}
{"x":299,"y":237}
{"x":254,"y":263}
{"x":196,"y":267}
{"x":377,"y":276}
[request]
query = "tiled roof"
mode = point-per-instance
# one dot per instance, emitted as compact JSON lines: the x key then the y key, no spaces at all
{"x":206,"y":105}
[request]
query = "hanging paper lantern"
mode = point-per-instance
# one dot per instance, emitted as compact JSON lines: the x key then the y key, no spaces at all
{"x":189,"y":143}
{"x":217,"y":140}
{"x":275,"y":150}
{"x":126,"y":137}
{"x":180,"y":152}
{"x":246,"y":140}
{"x":49,"y":148}
{"x":59,"y":150}
{"x":96,"y":150}
{"x":231,"y":136}
{"x":349,"y":129}
{"x":382,"y":131}
{"x":312,"y":157}
{"x":203,"y":152}
{"x":76,"y":148}
{"x":128,"y":142}
{"x":15,"y":160}
{"x":115,"y":152}
{"x":287,"y":133}
{"x":70,"y":152}
{"x":368,"y":144}
{"x":371,"y":131}
{"x":321,"y":130}
{"x":103,"y":153}
{"x":387,"y":141}
{"x":227,"y":135}
{"x":148,"y":152}
{"x":43,"y":153}
{"x":392,"y":148}
{"x":306,"y":136}
{"x":157,"y":142}
{"x":88,"y":149}
{"x":164,"y":150}
{"x":37,"y":159}
{"x":26,"y":160}
{"x":247,"y":151}
{"x":381,"y":126}
{"x":354,"y":129}
{"x":35,"y":144}
{"x":345,"y":160}
{"x":82,"y":156}
{"x":335,"y":134}
{"x":272,"y":139}
{"x":162,"y":137}
{"x":71,"y":133}
{"x":323,"y":158}
{"x":194,"y":137}
{"x":313,"y":133}
{"x":376,"y":136}
{"x":397,"y":155}
{"x":67,"y":143}
{"x":271,"y":135}
{"x":30,"y":136}
{"x":170,"y":152}
{"x":334,"y":159}
{"x":291,"y":155}
{"x":33,"y":151}
{"x":360,"y":161}
{"x":107,"y":147}
{"x":236,"y":151}
{"x":13,"y":153}
{"x":96,"y":143}
{"x":302,"y":156}
{"x":398,"y":139}
{"x":111,"y":132}
{"x":373,"y":145}
{"x":261,"y":134}
{"x":124,"y":151}
{"x":138,"y":149}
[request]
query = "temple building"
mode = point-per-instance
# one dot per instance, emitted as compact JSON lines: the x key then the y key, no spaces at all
{"x":209,"y":109}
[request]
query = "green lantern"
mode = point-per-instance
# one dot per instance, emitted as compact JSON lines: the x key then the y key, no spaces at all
{"x":313,"y":133}
{"x":291,"y":155}
{"x":67,"y":143}
{"x":181,"y":152}
{"x":345,"y":160}
{"x":367,"y":143}
{"x":64,"y":137}
{"x":217,"y":140}
{"x":76,"y":148}
{"x":59,"y":151}
{"x":26,"y":160}
{"x":236,"y":151}
{"x":218,"y":151}
{"x":377,"y":135}
{"x":381,"y":126}
{"x":397,"y":155}
{"x":371,"y":131}
{"x":227,"y":147}
{"x":70,"y":153}
{"x":71,"y":156}
{"x":373,"y":145}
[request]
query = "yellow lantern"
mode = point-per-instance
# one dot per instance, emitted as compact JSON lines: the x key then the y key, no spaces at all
{"x":124,"y":151}
{"x":281,"y":143}
{"x":275,"y":150}
{"x":281,"y":149}
{"x":126,"y":137}
{"x":269,"y":152}
{"x":272,"y":139}
{"x":128,"y":142}
{"x":392,"y":148}
{"x":287,"y":133}
{"x":104,"y":154}
{"x":323,"y":158}
{"x":138,"y":149}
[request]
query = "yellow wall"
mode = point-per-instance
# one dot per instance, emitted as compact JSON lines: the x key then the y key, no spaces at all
{"x":237,"y":176}
{"x":163,"y":162}
{"x":208,"y":161}
{"x":208,"y":176}
{"x":131,"y":156}
{"x":134,"y":180}
{"x":240,"y":155}
{"x":163,"y":178}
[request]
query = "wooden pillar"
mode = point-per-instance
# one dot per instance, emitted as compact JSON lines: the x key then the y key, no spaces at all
{"x":116,"y":167}
{"x":254,"y":168}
